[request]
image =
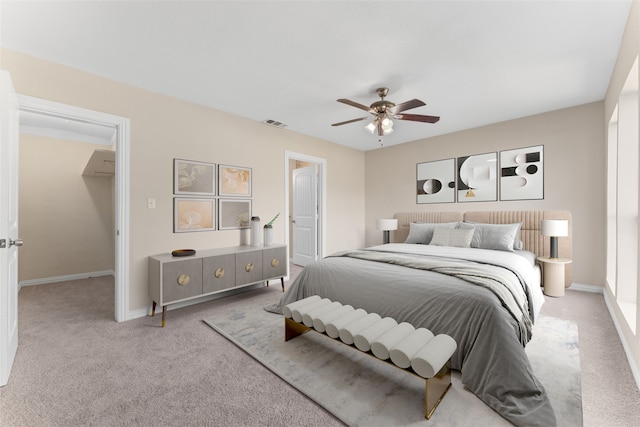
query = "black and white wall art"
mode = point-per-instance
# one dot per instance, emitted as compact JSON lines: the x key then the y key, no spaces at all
{"x":436,"y":181}
{"x":522,"y":173}
{"x":477,"y":178}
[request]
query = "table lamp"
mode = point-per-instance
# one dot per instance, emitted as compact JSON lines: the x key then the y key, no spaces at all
{"x":554,"y":228}
{"x":386,"y":225}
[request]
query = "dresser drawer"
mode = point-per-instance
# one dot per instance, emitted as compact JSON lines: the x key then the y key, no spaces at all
{"x":248,"y":267}
{"x":181,"y":279}
{"x":274,"y":262}
{"x":219,"y":273}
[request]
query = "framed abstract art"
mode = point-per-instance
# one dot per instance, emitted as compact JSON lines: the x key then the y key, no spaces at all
{"x":477,"y":178}
{"x":191,"y":178}
{"x":436,"y":182}
{"x":234,"y":214}
{"x":522,"y":173}
{"x":191,"y":214}
{"x":234,"y":181}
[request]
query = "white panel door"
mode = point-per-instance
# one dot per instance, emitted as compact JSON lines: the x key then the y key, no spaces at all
{"x":305,"y":215}
{"x":8,"y":226}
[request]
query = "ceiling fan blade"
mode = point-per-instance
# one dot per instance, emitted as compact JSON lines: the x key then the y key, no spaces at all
{"x":354,"y":104}
{"x":413,"y":103}
{"x":417,"y":118}
{"x":350,"y":121}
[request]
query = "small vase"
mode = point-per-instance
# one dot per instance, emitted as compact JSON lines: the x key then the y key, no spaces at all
{"x":255,"y":231}
{"x":268,"y":235}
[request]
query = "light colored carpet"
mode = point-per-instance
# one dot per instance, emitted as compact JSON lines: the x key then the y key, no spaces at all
{"x":77,"y":367}
{"x":363,"y":391}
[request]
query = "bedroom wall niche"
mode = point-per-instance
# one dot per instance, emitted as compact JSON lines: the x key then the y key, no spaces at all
{"x":573,"y":171}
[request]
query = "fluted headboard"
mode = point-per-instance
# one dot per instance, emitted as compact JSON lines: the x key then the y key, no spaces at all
{"x":530,"y":232}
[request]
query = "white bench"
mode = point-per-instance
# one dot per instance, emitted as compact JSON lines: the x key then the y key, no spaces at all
{"x":417,"y":351}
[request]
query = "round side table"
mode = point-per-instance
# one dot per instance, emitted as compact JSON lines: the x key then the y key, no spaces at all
{"x":553,"y":275}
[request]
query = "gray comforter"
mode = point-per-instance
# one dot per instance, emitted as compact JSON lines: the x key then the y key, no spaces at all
{"x":490,"y":354}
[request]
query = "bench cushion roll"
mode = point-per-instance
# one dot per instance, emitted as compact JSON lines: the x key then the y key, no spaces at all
{"x":287,"y":309}
{"x":364,"y":338}
{"x":432,"y":357}
{"x":307,"y":317}
{"x":402,"y":352}
{"x":320,"y":322}
{"x":348,"y":332}
{"x":333,"y":327}
{"x":382,"y":345}
{"x":296,"y":312}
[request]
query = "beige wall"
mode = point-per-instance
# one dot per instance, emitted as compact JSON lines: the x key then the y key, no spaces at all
{"x":574,"y":170}
{"x":164,"y":128}
{"x":66,"y":219}
{"x":629,"y":50}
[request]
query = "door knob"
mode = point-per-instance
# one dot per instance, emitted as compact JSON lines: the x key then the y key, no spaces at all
{"x":17,"y":242}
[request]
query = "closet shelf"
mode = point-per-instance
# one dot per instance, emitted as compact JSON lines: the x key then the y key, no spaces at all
{"x":101,"y":163}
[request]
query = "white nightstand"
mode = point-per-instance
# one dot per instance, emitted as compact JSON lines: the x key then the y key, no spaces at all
{"x":553,"y":275}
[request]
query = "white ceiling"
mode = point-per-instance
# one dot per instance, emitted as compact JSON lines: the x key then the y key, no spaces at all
{"x":472,"y":62}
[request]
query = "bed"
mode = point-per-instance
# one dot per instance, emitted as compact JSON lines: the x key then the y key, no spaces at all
{"x":467,"y":275}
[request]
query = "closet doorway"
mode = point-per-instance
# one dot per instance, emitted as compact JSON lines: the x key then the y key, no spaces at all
{"x":305,"y":201}
{"x":110,"y":136}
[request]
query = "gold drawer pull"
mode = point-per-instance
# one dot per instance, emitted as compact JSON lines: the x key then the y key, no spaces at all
{"x":219,"y":273}
{"x":275,"y":262}
{"x":183,"y":279}
{"x":248,"y":268}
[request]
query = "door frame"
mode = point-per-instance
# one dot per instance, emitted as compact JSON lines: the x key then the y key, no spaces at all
{"x":322,"y":195}
{"x":122,"y":177}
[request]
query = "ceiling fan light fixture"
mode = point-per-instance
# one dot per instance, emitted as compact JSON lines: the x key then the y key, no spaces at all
{"x":385,"y":113}
{"x":372,"y":126}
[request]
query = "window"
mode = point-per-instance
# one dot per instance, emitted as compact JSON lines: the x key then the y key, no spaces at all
{"x":623,"y":165}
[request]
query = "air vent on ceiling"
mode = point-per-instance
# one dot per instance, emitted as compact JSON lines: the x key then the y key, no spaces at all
{"x":274,"y":123}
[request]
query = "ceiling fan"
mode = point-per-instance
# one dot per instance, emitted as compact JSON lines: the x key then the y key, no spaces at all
{"x":384,"y":111}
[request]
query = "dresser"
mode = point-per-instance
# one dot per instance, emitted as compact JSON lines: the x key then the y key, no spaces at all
{"x":176,"y":279}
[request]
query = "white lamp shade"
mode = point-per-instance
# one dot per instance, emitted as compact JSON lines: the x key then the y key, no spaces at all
{"x":387,"y":224}
{"x":555,"y":227}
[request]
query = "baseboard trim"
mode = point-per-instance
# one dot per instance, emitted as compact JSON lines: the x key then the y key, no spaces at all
{"x":625,"y":345}
{"x":587,"y":288}
{"x":33,"y":282}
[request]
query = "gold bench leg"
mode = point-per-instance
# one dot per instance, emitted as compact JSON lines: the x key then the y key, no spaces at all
{"x":436,"y":387}
{"x":292,"y":329}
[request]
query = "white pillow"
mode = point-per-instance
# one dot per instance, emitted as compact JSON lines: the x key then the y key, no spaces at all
{"x":422,"y":232}
{"x":456,"y":237}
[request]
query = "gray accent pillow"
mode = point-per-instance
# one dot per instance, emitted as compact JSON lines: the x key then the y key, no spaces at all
{"x":456,"y":237}
{"x":422,"y":232}
{"x":501,"y":237}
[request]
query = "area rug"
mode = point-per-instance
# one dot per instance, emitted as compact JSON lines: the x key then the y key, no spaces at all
{"x":361,"y":390}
